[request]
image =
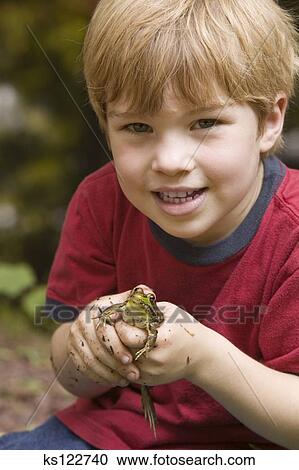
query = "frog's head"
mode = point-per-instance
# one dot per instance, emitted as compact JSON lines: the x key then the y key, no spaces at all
{"x":139,"y":295}
{"x":141,"y":309}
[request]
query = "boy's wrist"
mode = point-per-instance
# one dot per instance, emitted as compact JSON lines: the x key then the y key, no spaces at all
{"x":210,"y":347}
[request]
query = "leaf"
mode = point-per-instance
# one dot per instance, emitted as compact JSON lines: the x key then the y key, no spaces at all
{"x":34,"y":299}
{"x":15,"y":279}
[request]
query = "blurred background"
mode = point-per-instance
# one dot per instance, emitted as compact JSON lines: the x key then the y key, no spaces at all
{"x":46,"y":148}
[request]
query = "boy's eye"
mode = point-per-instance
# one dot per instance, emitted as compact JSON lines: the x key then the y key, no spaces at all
{"x":207,"y":123}
{"x":137,"y":128}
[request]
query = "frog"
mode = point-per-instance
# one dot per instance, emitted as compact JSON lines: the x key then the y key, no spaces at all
{"x":140,"y":310}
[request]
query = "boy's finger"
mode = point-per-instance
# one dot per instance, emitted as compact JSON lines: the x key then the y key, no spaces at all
{"x":109,"y":339}
{"x":145,"y":288}
{"x":83,"y":368}
{"x":131,"y":336}
{"x":93,"y":367}
{"x":106,"y":346}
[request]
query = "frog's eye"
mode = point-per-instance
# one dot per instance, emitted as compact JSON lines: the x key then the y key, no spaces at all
{"x":151,"y":297}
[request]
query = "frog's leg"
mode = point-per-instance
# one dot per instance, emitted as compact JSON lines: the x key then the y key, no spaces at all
{"x":105,"y":315}
{"x":150,"y":342}
{"x":148,"y":408}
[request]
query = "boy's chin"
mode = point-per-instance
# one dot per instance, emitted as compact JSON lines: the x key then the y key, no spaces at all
{"x":191,"y":236}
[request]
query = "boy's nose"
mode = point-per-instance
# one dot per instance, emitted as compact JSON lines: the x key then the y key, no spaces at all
{"x":173,"y":159}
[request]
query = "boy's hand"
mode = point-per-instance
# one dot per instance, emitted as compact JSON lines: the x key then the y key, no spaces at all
{"x":176,"y":353}
{"x":98,"y":352}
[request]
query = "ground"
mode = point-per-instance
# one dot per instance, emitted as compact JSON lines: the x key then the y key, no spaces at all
{"x":29,"y":393}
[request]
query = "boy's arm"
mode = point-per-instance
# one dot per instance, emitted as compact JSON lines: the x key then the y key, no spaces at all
{"x":263,"y":399}
{"x":67,"y":374}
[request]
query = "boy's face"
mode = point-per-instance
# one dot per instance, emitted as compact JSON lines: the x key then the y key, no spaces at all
{"x":161,"y":157}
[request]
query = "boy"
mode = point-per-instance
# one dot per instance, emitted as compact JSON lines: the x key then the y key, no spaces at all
{"x":192,"y":97}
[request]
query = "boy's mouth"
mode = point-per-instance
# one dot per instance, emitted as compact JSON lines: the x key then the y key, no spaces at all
{"x":179,"y":197}
{"x":180,"y":202}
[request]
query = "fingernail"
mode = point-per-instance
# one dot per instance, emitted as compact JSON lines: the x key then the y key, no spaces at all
{"x":125,"y":359}
{"x":123,"y":383}
{"x":131,"y":376}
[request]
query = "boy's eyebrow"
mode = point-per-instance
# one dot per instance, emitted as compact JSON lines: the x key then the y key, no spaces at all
{"x":128,"y":114}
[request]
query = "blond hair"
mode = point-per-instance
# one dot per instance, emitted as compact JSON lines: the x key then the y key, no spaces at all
{"x":135,"y":49}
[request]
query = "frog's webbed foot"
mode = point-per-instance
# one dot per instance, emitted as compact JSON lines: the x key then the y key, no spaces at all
{"x":150,"y":343}
{"x":140,"y":353}
{"x":148,"y":408}
{"x":104,"y":316}
{"x":102,"y":320}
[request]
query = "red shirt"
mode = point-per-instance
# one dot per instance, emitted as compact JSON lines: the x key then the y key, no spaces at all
{"x":245,"y":288}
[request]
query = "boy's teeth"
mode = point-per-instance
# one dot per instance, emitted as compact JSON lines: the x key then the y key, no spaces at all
{"x":179,"y":197}
{"x":178,"y":194}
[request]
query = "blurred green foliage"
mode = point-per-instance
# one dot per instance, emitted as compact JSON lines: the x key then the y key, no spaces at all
{"x":15,"y":279}
{"x":50,"y":148}
{"x":21,"y":293}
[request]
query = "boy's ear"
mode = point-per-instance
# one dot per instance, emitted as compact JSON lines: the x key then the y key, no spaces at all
{"x":273,"y":123}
